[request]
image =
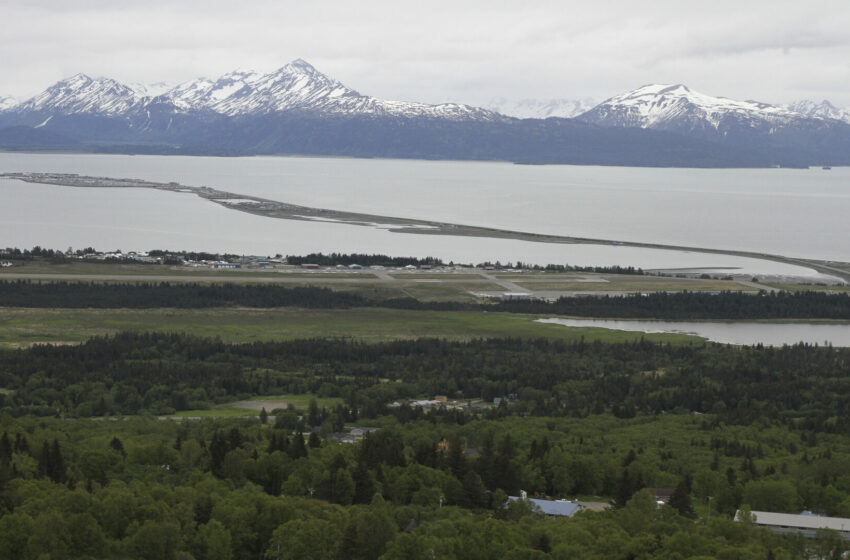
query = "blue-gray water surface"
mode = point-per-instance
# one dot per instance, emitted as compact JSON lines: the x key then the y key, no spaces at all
{"x":728,"y":332}
{"x":789,"y":212}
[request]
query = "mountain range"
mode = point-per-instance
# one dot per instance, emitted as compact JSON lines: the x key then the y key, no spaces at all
{"x":298,"y":110}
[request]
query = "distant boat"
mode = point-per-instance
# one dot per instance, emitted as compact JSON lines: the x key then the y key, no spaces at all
{"x":826,"y":168}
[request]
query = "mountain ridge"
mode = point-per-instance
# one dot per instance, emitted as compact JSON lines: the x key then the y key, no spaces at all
{"x":297,"y":109}
{"x":823,"y":109}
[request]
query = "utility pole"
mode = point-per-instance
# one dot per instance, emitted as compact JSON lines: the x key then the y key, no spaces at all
{"x":709,"y":510}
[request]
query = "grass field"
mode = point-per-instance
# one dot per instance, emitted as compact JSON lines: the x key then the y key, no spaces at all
{"x":23,"y":327}
{"x":436,"y":276}
{"x":271,"y":402}
{"x":254,"y":405}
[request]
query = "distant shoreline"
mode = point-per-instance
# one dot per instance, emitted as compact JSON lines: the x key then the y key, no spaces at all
{"x":165,"y":151}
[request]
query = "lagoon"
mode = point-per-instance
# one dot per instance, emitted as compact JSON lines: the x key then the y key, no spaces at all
{"x":728,"y":332}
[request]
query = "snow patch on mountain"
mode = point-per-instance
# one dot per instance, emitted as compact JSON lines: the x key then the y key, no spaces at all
{"x":822,"y":110}
{"x":662,"y":105}
{"x":82,"y":94}
{"x":540,"y":108}
{"x":7,"y":102}
{"x":151,"y":90}
{"x":297,"y":86}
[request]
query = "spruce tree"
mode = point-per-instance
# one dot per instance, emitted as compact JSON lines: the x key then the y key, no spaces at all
{"x":681,"y":501}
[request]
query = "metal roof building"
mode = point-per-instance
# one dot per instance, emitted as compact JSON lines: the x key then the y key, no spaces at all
{"x":559,"y":508}
{"x":807,"y":524}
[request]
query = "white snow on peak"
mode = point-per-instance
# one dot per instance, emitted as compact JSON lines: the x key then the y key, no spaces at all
{"x":297,"y":86}
{"x":822,"y":110}
{"x":530,"y":108}
{"x":7,"y":102}
{"x":658,"y":105}
{"x":82,"y":94}
{"x":151,"y":90}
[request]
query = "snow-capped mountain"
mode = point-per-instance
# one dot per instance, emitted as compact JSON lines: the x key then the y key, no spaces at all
{"x":540,"y":108}
{"x":297,"y":86}
{"x":82,"y":94}
{"x":151,"y":90}
{"x":678,"y":108}
{"x":7,"y":102}
{"x":298,"y":110}
{"x":788,"y":135}
{"x":823,"y":110}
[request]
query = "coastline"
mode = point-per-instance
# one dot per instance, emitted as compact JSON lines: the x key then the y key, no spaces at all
{"x":283,"y":210}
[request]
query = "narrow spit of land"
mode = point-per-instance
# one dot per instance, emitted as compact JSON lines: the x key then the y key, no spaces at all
{"x":285,"y":211}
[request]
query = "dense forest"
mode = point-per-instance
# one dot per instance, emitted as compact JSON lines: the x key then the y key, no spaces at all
{"x":95,"y":462}
{"x":802,"y":385}
{"x":433,"y":488}
{"x":661,"y":305}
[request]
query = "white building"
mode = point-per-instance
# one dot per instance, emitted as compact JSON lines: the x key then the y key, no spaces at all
{"x":806,"y":523}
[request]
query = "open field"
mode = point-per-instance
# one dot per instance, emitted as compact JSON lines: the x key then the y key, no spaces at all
{"x":254,"y":405}
{"x":436,"y":276}
{"x":23,"y":327}
{"x":271,"y":402}
{"x":433,"y":286}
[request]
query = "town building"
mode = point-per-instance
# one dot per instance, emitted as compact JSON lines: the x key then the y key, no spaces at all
{"x":553,"y":508}
{"x":805,"y":523}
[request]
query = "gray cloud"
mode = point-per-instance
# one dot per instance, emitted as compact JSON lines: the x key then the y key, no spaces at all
{"x":462,"y":51}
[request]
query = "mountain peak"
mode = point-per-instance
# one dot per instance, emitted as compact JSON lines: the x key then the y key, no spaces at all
{"x":677,"y":108}
{"x":301,"y":63}
{"x":81,"y":93}
{"x":823,"y":110}
{"x":296,"y":86}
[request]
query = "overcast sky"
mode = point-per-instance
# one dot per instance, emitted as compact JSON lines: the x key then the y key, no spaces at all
{"x":775,"y":51}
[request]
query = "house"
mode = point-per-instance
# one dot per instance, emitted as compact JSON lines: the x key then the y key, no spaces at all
{"x":441,"y":399}
{"x":354,"y":435}
{"x":553,"y":508}
{"x":359,"y":433}
{"x":805,"y":523}
{"x":662,"y":495}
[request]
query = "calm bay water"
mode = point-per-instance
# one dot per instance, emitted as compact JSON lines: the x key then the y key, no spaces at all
{"x":789,"y":212}
{"x":769,"y":334}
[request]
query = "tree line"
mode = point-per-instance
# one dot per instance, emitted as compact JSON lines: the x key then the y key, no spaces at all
{"x":661,"y":305}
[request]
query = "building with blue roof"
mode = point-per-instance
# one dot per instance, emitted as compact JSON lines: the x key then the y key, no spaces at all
{"x":555,"y":508}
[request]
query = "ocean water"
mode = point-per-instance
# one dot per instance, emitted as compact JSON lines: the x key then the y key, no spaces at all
{"x":790,"y":212}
